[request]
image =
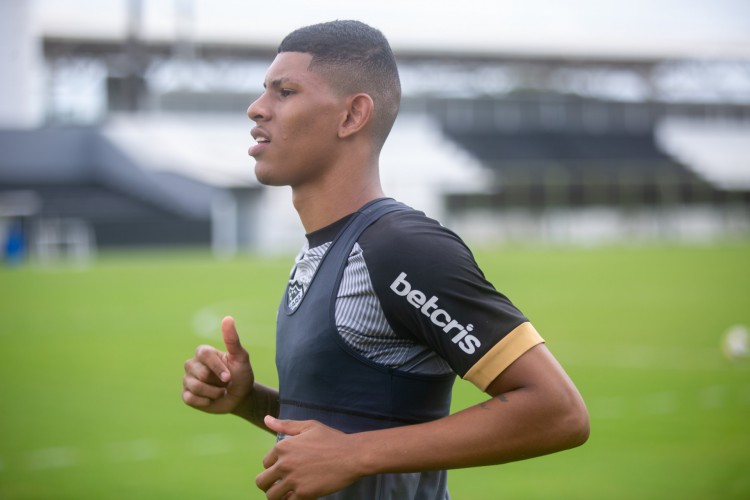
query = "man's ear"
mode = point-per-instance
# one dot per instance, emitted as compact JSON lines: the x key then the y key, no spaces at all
{"x":359,"y":113}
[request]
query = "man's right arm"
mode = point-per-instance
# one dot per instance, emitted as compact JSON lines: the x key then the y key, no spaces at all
{"x":223,"y":382}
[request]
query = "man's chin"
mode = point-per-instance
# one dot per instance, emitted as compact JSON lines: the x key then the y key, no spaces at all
{"x":270,"y":182}
{"x":265,"y":178}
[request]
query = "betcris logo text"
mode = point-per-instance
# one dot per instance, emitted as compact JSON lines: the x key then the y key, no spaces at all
{"x":439,"y":317}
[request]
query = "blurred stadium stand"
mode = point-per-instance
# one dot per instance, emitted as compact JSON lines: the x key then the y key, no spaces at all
{"x":89,"y":193}
{"x":573,"y":151}
{"x":503,"y":147}
{"x":567,"y":168}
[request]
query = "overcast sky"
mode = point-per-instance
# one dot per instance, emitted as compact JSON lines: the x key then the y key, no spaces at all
{"x":631,"y":27}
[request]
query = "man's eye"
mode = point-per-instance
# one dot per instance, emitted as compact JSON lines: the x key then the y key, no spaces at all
{"x":286,"y":92}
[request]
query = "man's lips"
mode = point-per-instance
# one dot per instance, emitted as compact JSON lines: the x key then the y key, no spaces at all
{"x":262,"y":141}
{"x":256,"y":149}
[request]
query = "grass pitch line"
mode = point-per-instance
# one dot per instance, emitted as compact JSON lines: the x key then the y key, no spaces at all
{"x":709,"y":398}
{"x":133,"y":451}
{"x":210,"y":444}
{"x":206,"y":323}
{"x":662,"y":403}
{"x":52,"y":458}
{"x":646,"y":357}
{"x":137,"y":450}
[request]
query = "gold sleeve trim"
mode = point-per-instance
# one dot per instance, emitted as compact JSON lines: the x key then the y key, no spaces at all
{"x":510,"y":348}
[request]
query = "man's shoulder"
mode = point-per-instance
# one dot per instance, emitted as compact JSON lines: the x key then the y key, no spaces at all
{"x":407,"y":231}
{"x":410,"y":242}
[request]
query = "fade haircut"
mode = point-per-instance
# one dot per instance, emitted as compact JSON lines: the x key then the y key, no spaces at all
{"x":353,"y":57}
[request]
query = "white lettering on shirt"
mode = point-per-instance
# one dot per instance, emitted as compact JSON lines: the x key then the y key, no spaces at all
{"x":460,"y":335}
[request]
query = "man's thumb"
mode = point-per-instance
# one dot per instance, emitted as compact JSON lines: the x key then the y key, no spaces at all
{"x":288,"y":427}
{"x":231,"y":337}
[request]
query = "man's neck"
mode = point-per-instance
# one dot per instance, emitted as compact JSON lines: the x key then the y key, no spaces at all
{"x":317,"y":208}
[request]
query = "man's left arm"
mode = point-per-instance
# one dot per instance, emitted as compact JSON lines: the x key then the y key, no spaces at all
{"x":535,"y":410}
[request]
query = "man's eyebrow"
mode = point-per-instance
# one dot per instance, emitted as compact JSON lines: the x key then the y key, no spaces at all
{"x":278,"y":82}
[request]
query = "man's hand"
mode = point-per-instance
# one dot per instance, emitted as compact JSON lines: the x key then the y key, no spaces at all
{"x":216,"y":381}
{"x":313,"y":461}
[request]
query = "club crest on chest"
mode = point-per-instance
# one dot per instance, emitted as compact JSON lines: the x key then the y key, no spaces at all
{"x":295,"y":293}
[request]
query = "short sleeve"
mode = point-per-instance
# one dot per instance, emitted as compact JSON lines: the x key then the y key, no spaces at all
{"x":433,"y":292}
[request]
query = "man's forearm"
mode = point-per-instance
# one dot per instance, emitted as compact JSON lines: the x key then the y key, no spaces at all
{"x":261,"y":401}
{"x":512,"y":426}
{"x":536,"y":409}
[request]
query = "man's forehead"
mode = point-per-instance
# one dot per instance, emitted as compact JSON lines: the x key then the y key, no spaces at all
{"x":289,"y":65}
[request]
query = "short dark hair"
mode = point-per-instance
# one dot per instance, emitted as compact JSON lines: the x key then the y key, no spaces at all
{"x":353,"y":57}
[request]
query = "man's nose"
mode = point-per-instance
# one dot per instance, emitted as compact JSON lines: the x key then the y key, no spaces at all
{"x":255,"y":111}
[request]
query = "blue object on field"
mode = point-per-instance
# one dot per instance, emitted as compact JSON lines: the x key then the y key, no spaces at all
{"x":15,"y":243}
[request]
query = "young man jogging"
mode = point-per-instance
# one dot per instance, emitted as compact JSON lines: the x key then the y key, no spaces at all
{"x":383,"y":307}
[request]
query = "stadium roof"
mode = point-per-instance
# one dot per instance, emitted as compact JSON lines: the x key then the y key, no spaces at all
{"x":610,"y":28}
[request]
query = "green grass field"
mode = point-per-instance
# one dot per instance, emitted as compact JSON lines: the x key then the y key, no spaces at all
{"x":92,"y":365}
